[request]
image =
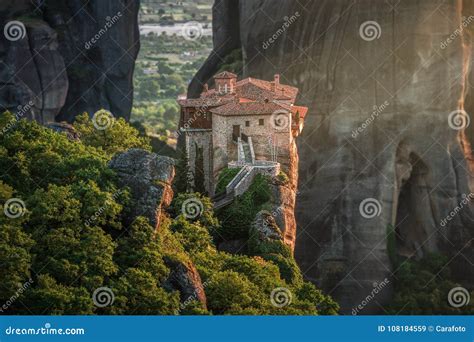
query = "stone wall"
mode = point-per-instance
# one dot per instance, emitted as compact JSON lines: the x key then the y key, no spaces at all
{"x":267,"y":170}
{"x":263,"y":137}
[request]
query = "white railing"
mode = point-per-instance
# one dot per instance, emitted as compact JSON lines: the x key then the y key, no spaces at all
{"x":252,"y":152}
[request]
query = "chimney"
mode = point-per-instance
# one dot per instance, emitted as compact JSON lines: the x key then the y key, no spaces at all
{"x":205,"y":87}
{"x":276,"y":83}
{"x":276,"y":80}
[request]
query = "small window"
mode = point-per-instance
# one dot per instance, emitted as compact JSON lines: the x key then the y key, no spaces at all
{"x":261,"y":122}
{"x":247,"y":123}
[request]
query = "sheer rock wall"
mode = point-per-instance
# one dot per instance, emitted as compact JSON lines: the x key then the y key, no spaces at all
{"x":379,"y":130}
{"x":66,"y":57}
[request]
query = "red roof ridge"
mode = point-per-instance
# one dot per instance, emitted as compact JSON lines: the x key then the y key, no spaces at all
{"x":225,"y":74}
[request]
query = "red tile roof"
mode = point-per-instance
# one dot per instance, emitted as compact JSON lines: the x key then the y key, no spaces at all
{"x":254,"y":92}
{"x":250,"y":96}
{"x":281,"y":91}
{"x":256,"y":89}
{"x":298,"y":109}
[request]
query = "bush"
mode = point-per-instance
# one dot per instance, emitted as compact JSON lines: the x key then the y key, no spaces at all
{"x":115,"y":135}
{"x":282,"y":178}
{"x":72,"y":223}
{"x":237,"y":218}
{"x":422,"y":287}
{"x":195,"y":207}
{"x":231,"y":290}
{"x":225,"y":177}
{"x":71,"y":238}
{"x":232,"y":62}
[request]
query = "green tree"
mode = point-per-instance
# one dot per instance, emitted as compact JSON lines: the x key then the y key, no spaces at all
{"x":15,"y":254}
{"x":422,"y":288}
{"x":183,"y":173}
{"x":199,"y":178}
{"x":71,"y":239}
{"x":111,"y":135}
{"x":230,"y":290}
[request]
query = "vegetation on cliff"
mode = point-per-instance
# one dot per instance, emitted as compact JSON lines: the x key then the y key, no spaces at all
{"x":237,"y":217}
{"x":65,"y":237}
{"x":421,"y":288}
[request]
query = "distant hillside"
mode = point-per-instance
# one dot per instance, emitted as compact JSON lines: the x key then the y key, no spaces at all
{"x":168,"y":12}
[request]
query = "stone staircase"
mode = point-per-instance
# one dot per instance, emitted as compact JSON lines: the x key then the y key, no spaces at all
{"x":244,"y":178}
{"x":247,"y":155}
{"x":237,"y":186}
{"x":223,"y":200}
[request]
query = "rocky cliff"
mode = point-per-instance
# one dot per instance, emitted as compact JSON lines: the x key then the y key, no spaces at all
{"x":60,"y":58}
{"x":387,"y":140}
{"x":149,"y":178}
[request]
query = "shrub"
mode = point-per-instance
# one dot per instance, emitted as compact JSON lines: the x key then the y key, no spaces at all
{"x":72,"y":238}
{"x":117,"y":136}
{"x":195,"y":207}
{"x":282,"y":178}
{"x":237,"y":218}
{"x":225,"y":177}
{"x":72,"y":223}
{"x":231,"y":290}
{"x":422,"y":287}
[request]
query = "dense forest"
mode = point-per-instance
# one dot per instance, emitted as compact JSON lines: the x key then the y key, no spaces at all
{"x":54,"y":256}
{"x":67,"y":233}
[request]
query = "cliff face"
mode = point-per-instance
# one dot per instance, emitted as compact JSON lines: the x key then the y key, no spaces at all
{"x":149,"y":178}
{"x":62,"y":58}
{"x":384,"y":142}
